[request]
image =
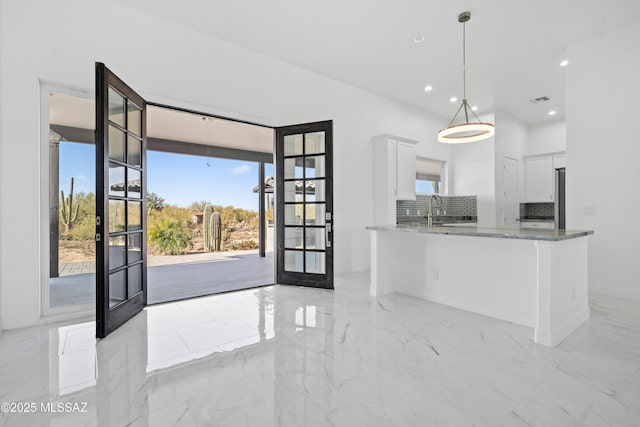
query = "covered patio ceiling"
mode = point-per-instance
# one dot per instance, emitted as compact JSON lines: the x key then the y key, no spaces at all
{"x":74,"y":118}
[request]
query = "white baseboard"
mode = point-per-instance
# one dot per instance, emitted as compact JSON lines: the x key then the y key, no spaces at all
{"x":16,"y":322}
{"x":519,"y":318}
{"x":559,"y":334}
{"x":617,"y":292}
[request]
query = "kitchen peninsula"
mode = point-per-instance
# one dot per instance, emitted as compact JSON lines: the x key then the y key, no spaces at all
{"x":536,"y":278}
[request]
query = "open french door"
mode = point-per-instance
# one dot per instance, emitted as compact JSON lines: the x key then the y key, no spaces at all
{"x":304,"y":198}
{"x":121,"y":228}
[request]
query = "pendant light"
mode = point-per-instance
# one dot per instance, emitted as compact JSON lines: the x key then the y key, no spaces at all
{"x":466,"y":131}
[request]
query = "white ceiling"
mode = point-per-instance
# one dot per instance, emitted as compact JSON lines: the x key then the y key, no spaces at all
{"x":514,"y":47}
{"x":165,"y":123}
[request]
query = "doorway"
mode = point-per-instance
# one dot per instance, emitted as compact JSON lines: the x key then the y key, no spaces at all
{"x":303,"y":185}
{"x":204,"y":226}
{"x":245,"y":258}
{"x":511,"y":207}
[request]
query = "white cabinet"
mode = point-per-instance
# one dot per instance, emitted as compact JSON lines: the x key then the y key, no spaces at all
{"x":537,"y":224}
{"x":539,"y":177}
{"x":405,"y":170}
{"x":394,"y":176}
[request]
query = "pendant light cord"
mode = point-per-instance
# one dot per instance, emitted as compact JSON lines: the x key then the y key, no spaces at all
{"x":464,"y":70}
{"x":464,"y":60}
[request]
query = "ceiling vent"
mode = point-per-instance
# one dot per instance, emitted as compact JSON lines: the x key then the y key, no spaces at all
{"x":537,"y":100}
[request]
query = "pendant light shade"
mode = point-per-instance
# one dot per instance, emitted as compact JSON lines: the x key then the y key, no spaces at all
{"x":465,"y":131}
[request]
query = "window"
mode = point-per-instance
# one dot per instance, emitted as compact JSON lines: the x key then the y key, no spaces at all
{"x":429,"y":176}
{"x":71,"y":213}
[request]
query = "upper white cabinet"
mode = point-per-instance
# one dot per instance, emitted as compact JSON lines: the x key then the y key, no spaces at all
{"x":394,"y":175}
{"x":540,"y":176}
{"x":405,"y":170}
{"x":539,"y":179}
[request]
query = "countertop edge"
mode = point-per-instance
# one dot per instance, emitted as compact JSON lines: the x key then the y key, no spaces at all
{"x":486,"y":232}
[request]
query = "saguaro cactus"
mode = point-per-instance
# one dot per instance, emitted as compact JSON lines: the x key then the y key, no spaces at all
{"x":68,"y":211}
{"x":206,"y":230}
{"x":212,"y":229}
{"x":216,"y":225}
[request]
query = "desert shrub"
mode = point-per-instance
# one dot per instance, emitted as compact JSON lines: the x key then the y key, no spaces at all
{"x":84,"y":229}
{"x":170,"y":212}
{"x":234,"y":218}
{"x":170,"y":236}
{"x":236,"y":245}
{"x":199,"y":206}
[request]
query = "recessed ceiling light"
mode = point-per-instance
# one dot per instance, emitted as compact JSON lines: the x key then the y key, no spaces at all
{"x":428,"y":88}
{"x":552,"y":113}
{"x":474,"y":108}
{"x":418,"y":39}
{"x":453,"y":99}
{"x":564,"y":63}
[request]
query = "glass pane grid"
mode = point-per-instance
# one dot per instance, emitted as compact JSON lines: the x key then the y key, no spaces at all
{"x":125,"y":187}
{"x":117,"y":126}
{"x":304,"y":179}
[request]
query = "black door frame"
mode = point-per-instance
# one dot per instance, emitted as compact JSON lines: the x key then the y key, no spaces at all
{"x":109,"y":318}
{"x":303,"y":278}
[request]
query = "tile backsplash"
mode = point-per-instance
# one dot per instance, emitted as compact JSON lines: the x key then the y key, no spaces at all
{"x":454,"y":205}
{"x":536,"y":210}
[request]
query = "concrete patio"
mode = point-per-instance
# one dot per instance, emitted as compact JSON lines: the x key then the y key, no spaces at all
{"x":175,"y":277}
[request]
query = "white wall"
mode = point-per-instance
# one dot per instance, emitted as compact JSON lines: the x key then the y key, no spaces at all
{"x":477,"y":167}
{"x":474,"y":174}
{"x":58,"y":41}
{"x":510,"y":141}
{"x":547,"y":138}
{"x":603,"y":154}
{"x":2,"y":36}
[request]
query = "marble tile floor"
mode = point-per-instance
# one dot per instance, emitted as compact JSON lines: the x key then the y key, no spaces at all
{"x":289,"y":356}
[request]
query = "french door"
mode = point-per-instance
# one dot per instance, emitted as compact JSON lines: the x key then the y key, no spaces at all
{"x":121,"y":273}
{"x":304,"y":199}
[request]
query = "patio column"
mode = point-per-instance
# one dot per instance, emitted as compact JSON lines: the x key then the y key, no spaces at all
{"x":261,"y":213}
{"x":54,"y":203}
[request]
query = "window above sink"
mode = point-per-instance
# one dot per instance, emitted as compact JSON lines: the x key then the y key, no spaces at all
{"x":429,"y":176}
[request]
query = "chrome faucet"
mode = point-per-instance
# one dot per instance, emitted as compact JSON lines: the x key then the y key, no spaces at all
{"x":430,"y":213}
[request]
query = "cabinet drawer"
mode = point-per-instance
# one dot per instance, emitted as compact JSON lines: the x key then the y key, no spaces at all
{"x":537,"y":224}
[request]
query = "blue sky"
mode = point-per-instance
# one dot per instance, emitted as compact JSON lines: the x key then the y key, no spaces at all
{"x":178,"y":179}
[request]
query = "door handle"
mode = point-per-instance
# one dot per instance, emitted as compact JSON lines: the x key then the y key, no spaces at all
{"x":327,"y":229}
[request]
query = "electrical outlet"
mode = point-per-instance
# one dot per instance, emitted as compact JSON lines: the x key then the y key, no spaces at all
{"x":589,"y":210}
{"x":436,"y":274}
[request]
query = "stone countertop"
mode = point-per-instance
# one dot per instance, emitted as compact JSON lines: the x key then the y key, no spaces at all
{"x":503,"y":233}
